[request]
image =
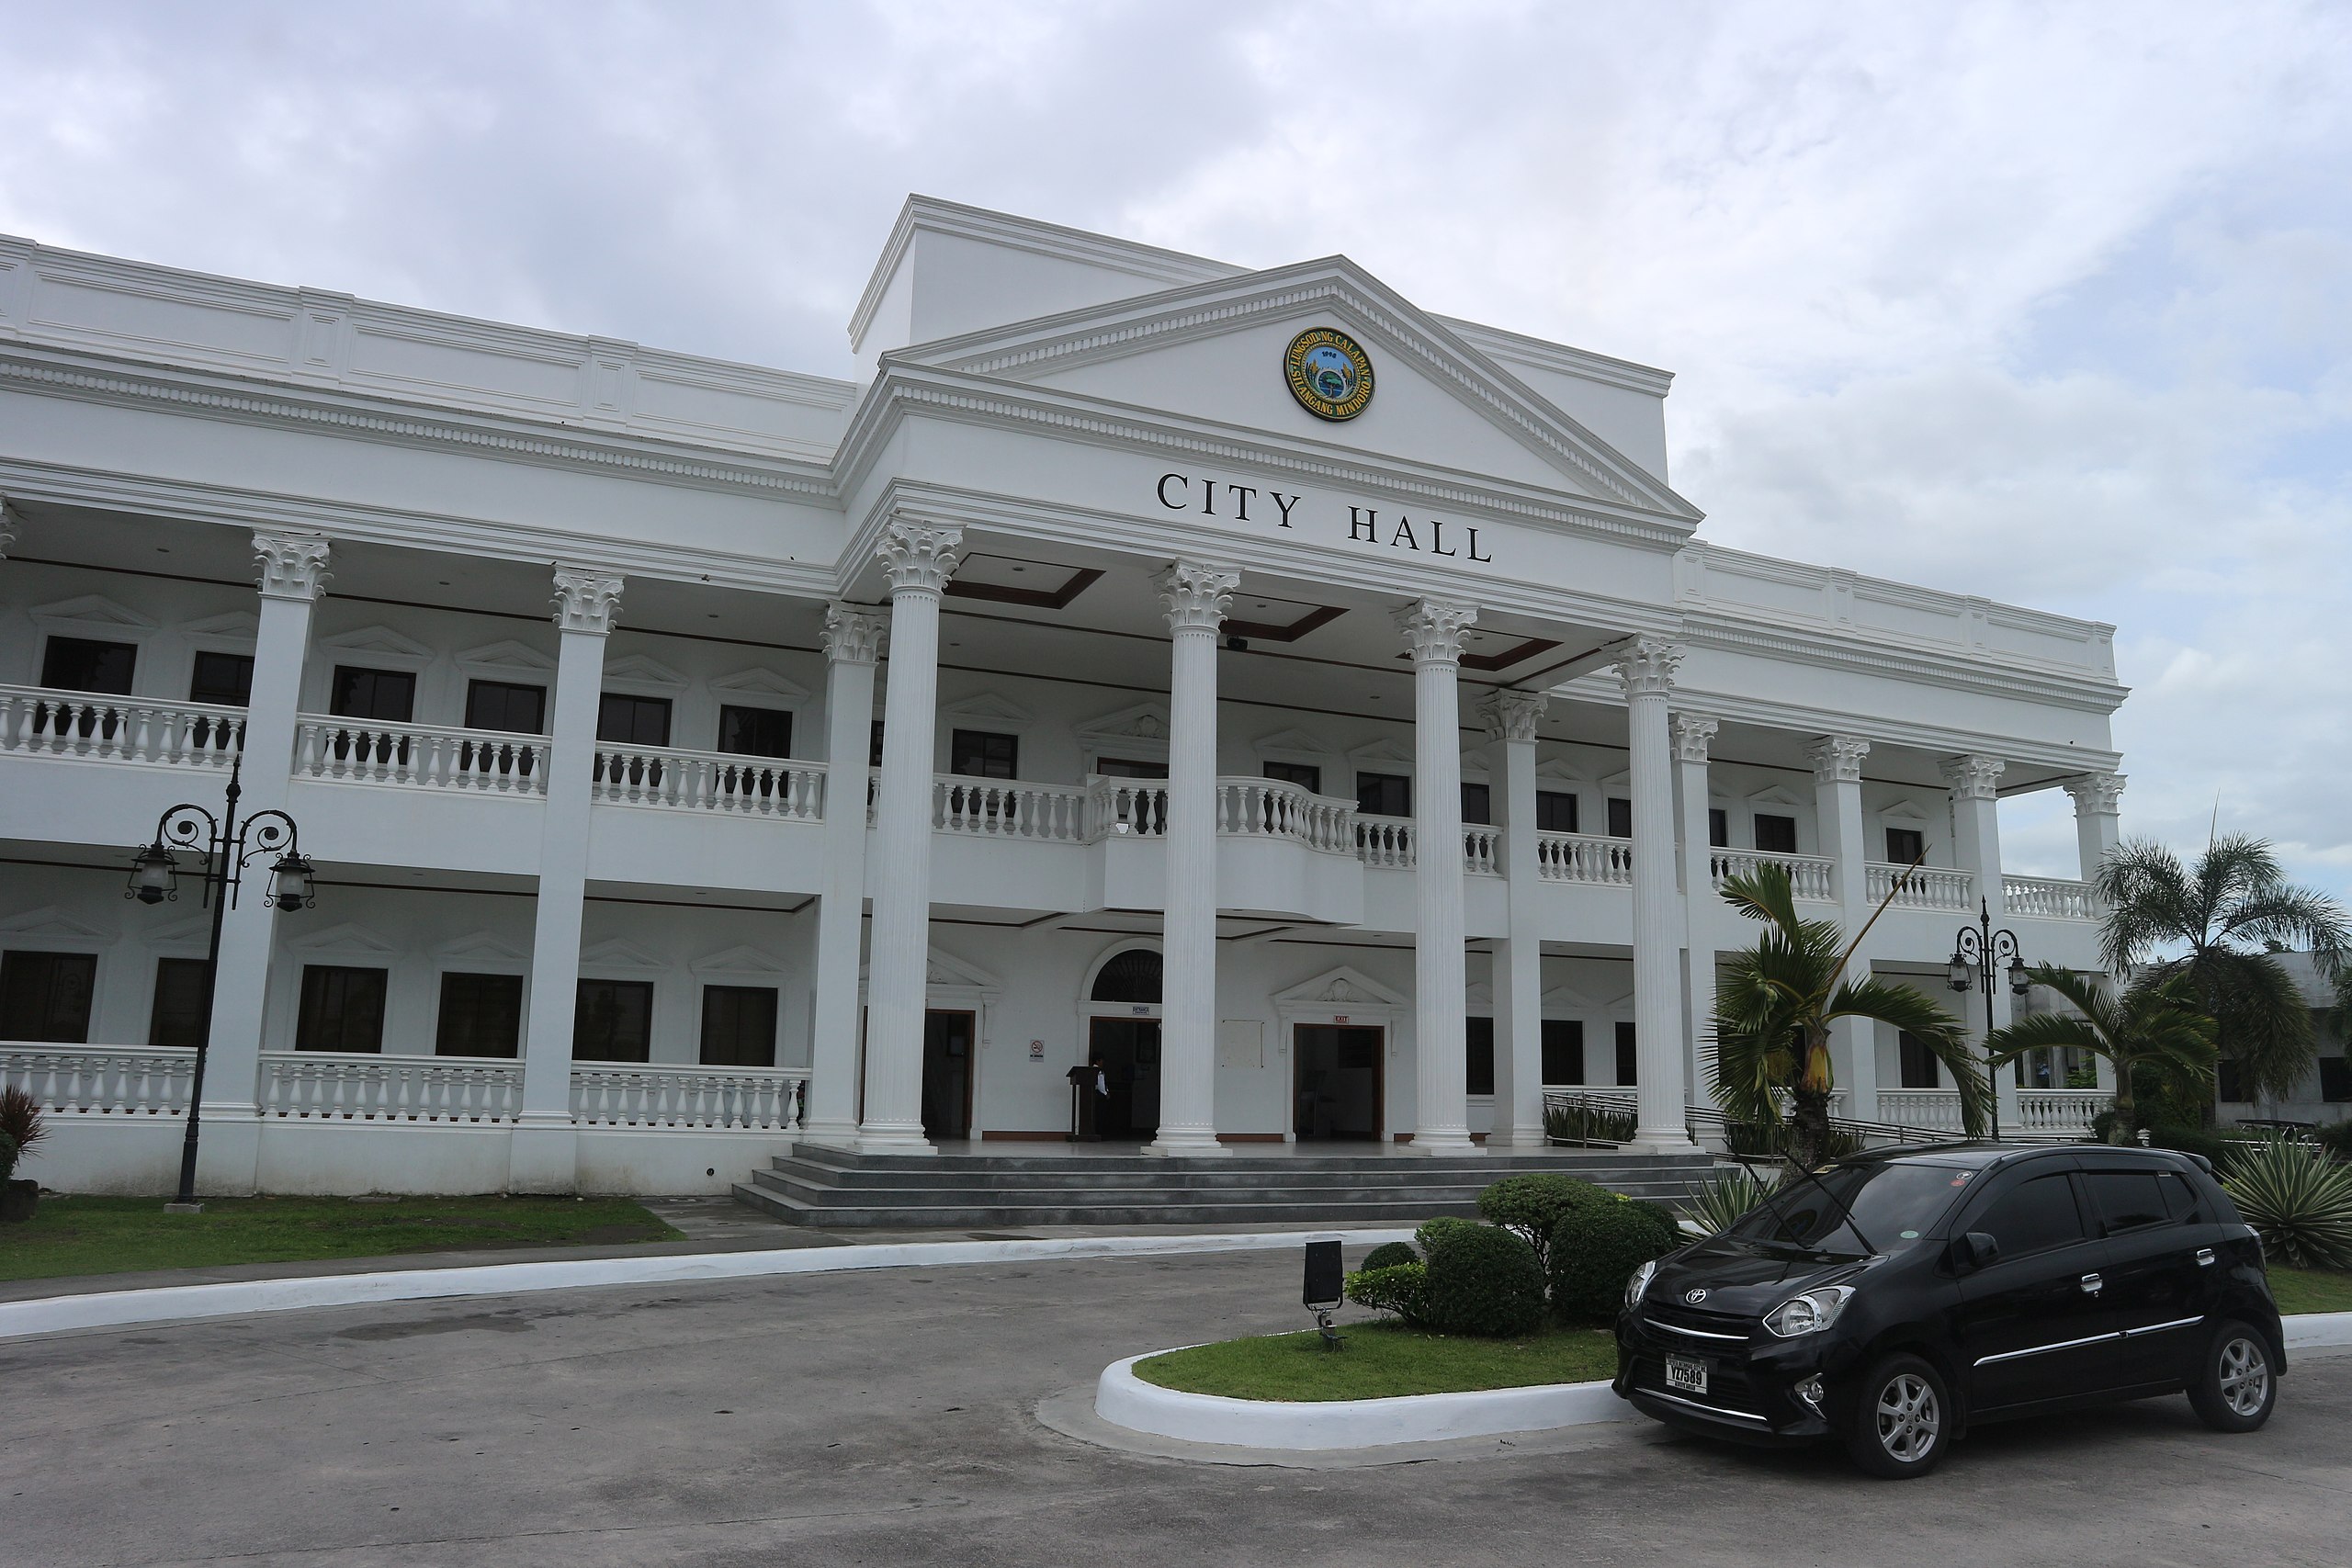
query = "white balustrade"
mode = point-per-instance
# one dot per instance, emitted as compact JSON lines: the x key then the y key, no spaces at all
{"x":708,"y":780}
{"x":1482,"y":850}
{"x":1248,"y":807}
{"x":1922,"y":887}
{"x":2050,"y":898}
{"x":1003,"y":809}
{"x":119,"y":729}
{"x":759,"y":1099}
{"x":336,"y":1086}
{"x":1584,"y":857}
{"x":1119,"y":808}
{"x":1930,"y":1110}
{"x":2061,"y":1112}
{"x":1810,"y":877}
{"x":1384,"y":841}
{"x":101,"y":1080}
{"x":420,"y":756}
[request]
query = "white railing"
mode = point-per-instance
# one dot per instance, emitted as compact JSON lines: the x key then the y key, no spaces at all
{"x":1384,"y":841}
{"x":119,"y":729}
{"x":1125,"y":807}
{"x":1482,"y":850}
{"x":760,"y":1099}
{"x":1930,"y":1110}
{"x":1584,"y":857}
{"x":708,"y":780}
{"x":101,"y":1080}
{"x":1810,"y":877}
{"x":1923,"y":888}
{"x":2064,"y":1112}
{"x":322,"y":1086}
{"x":1248,"y":807}
{"x":1002,"y":808}
{"x":420,"y":756}
{"x":2050,"y":898}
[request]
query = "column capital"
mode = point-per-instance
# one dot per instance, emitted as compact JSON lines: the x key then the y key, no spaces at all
{"x":1647,"y":664}
{"x":920,"y":557}
{"x":1974,"y":776}
{"x":586,"y":598}
{"x":854,"y":632}
{"x":1196,"y":594}
{"x":2096,"y":794}
{"x":293,"y":566}
{"x":1692,"y":735}
{"x":1837,"y":759}
{"x":1513,"y":716}
{"x":1433,"y":629}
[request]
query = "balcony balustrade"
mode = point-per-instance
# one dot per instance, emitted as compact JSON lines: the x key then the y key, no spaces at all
{"x":708,"y":780}
{"x":37,"y":722}
{"x":1922,"y":888}
{"x":1481,"y":851}
{"x":1584,"y":857}
{"x":750,"y":1100}
{"x":123,"y":1081}
{"x":994,"y":808}
{"x":1248,"y":807}
{"x":334,"y":1086}
{"x":419,"y":756}
{"x":1385,"y":843}
{"x":1810,"y":877}
{"x":2051,"y":898}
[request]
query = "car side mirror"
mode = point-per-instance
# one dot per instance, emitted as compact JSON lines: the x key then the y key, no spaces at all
{"x":1980,"y":1249}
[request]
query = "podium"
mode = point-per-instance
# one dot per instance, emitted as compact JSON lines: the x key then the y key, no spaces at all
{"x":1083,"y":1103}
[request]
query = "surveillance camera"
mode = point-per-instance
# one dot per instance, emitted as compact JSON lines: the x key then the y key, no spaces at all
{"x":1237,"y":644}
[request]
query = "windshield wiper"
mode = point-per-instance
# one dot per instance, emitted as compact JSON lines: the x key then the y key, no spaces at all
{"x":1789,"y":1228}
{"x":1843,"y":1207}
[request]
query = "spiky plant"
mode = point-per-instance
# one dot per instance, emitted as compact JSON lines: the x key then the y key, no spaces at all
{"x":2298,"y":1201}
{"x":2156,"y":1024}
{"x":1723,"y":1196}
{"x":20,"y":1120}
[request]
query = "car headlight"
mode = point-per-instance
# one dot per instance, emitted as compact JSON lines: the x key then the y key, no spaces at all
{"x":1810,"y":1313}
{"x":1638,"y":1283}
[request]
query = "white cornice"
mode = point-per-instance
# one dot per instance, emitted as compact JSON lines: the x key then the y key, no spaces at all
{"x":1559,"y":356}
{"x":1960,"y":670}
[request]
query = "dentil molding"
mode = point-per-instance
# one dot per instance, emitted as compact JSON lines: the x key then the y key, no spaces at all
{"x":1692,"y":735}
{"x":1648,"y":664}
{"x":586,"y":598}
{"x":1837,"y":759}
{"x":1513,"y":716}
{"x":1433,"y":629}
{"x":1974,"y":777}
{"x":920,"y":557}
{"x":1197,"y":594}
{"x":293,"y":566}
{"x":853,"y":633}
{"x":2096,"y":794}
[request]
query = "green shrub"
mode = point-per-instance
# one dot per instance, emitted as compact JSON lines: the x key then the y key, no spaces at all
{"x":1596,"y":1250}
{"x":7,"y":1156}
{"x":1397,"y":1287}
{"x":1389,"y":1254}
{"x":1530,"y":1206}
{"x":20,"y":1120}
{"x":2298,"y":1201}
{"x":1759,"y":1140}
{"x":1434,"y":1234}
{"x":1484,"y":1280}
{"x":1723,"y":1196}
{"x":2337,"y":1139}
{"x":1577,"y":1122}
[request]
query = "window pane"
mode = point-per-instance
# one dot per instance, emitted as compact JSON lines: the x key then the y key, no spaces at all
{"x":1919,"y":1063}
{"x":481,"y":1015}
{"x":739,"y":1026}
{"x":2335,"y":1079}
{"x":1306,"y":776}
{"x":178,"y":1016}
{"x":755,"y":732}
{"x":1776,"y":835}
{"x":1563,"y":1050}
{"x":46,"y":995}
{"x":613,"y":1021}
{"x":1122,"y":768}
{"x":2180,"y":1201}
{"x":79,"y":664}
{"x":977,"y":754}
{"x":633,"y":721}
{"x":506,"y":707}
{"x":1905,"y":845}
{"x":342,"y":1009}
{"x":1478,"y":1055}
{"x":2126,"y":1199}
{"x":874,"y":749}
{"x":1384,"y":794}
{"x":2036,"y":1216}
{"x":1477,"y":804}
{"x":1621,"y":818}
{"x":1628,"y":1058}
{"x":1718,"y":828}
{"x":225,"y":679}
{"x":1556,"y":811}
{"x":389,"y":695}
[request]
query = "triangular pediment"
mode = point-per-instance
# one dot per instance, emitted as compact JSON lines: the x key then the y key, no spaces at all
{"x":51,"y":924}
{"x":1384,"y":755}
{"x":617,"y":953}
{"x":762,"y":681}
{"x":1146,"y":723}
{"x":232,"y":632}
{"x":480,"y":947}
{"x":381,"y":643}
{"x":95,"y":611}
{"x":346,"y":940}
{"x":737,"y":960}
{"x":505,"y":656}
{"x":946,"y":969}
{"x":1342,"y":986}
{"x":1564,"y":1000}
{"x":987,"y":707}
{"x":638,"y":671}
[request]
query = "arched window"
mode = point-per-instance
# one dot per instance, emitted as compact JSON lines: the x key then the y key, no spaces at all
{"x":1131,"y":976}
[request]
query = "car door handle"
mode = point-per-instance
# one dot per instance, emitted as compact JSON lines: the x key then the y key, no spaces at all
{"x":2204,"y":1258}
{"x":2093,"y":1284}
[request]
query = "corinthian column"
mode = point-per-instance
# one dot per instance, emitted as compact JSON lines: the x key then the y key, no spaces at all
{"x":1433,"y":629}
{"x":1837,"y":820}
{"x":2096,"y":824}
{"x":1196,"y":596}
{"x":1647,"y":666}
{"x":853,"y":639}
{"x":1694,"y":734}
{"x":919,"y":557}
{"x":1511,"y":718}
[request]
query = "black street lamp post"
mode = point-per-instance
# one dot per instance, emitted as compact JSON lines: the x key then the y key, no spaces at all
{"x":223,"y":843}
{"x":1976,"y":952}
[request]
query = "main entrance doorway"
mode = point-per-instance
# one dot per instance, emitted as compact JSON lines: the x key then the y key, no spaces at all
{"x":1336,"y":1081}
{"x":1128,"y":1049}
{"x":947,"y":1039}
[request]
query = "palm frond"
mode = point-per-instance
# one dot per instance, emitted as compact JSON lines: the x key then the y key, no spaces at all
{"x":1920,"y":1016}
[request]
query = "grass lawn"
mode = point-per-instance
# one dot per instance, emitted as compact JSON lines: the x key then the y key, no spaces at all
{"x":1382,"y":1358}
{"x":2310,"y":1290}
{"x":114,"y":1236}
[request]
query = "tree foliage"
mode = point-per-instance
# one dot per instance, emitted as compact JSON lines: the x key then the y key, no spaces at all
{"x":2155,"y":1027}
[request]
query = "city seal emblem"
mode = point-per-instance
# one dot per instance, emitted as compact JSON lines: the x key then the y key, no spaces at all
{"x":1329,"y":373}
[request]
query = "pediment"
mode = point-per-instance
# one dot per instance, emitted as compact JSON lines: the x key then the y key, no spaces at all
{"x":1562,"y":999}
{"x":381,"y":643}
{"x":508,"y":655}
{"x":1384,"y":756}
{"x":642,"y":672}
{"x":987,"y":707}
{"x":946,"y":969}
{"x":52,"y":924}
{"x":1293,"y":745}
{"x":346,"y":940}
{"x":480,"y":947}
{"x":1479,"y":998}
{"x":762,"y":681}
{"x":1904,"y":811}
{"x":737,"y":960}
{"x":231,"y":632}
{"x":1342,"y":986}
{"x":95,"y":611}
{"x":617,"y":954}
{"x":1145,"y":722}
{"x":1776,"y":794}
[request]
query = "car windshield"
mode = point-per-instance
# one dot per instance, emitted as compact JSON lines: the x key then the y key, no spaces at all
{"x":1894,"y":1205}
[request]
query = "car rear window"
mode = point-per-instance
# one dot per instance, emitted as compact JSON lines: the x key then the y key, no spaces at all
{"x":2127,"y":1199}
{"x":2034,"y":1216}
{"x":2180,"y":1198}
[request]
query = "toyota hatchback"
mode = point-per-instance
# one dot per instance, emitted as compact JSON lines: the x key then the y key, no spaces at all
{"x":1893,"y":1299}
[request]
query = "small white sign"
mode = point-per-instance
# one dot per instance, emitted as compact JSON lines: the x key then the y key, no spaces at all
{"x":1036,"y":1050}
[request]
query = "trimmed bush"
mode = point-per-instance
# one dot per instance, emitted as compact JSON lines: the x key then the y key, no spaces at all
{"x":2297,"y":1200}
{"x":1389,"y":1254}
{"x":1530,"y":1206}
{"x":1596,"y":1250}
{"x":1484,"y":1280}
{"x":1434,"y":1234}
{"x":1397,"y":1287}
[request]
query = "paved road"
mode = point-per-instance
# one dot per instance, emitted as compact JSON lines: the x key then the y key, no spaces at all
{"x":887,"y":1418}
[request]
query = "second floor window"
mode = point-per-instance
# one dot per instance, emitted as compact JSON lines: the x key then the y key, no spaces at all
{"x":1556,"y":811}
{"x":1621,"y":818}
{"x":46,"y":995}
{"x":1477,"y":806}
{"x":755,"y":732}
{"x":1718,"y":828}
{"x":1776,"y":835}
{"x":386,"y":695}
{"x":225,"y":679}
{"x":1384,"y":794}
{"x":625,"y":720}
{"x":1905,"y":845}
{"x":978,"y":754}
{"x":1306,"y":776}
{"x":79,"y":664}
{"x":506,"y":707}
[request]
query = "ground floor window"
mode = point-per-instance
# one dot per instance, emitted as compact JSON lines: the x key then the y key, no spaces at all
{"x":2230,"y":1079}
{"x":46,"y":995}
{"x":481,"y":1015}
{"x":739,"y":1026}
{"x":613,"y":1021}
{"x":2335,"y":1079}
{"x":1628,"y":1058}
{"x":178,"y":1016}
{"x":1478,"y":1055}
{"x":1918,"y":1062}
{"x":342,"y":1009}
{"x":1563,"y":1050}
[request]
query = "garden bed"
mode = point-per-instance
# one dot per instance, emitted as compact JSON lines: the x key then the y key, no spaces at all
{"x":1382,"y":1360}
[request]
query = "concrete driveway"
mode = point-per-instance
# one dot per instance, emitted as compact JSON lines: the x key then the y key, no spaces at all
{"x":888,"y":1418}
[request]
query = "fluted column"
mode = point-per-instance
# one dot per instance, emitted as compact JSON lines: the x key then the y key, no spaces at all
{"x":544,"y":1156}
{"x":1975,"y":784}
{"x":8,"y":526}
{"x":2097,"y":827}
{"x":1837,"y":817}
{"x":1702,"y":912}
{"x":1432,"y":630}
{"x":1511,"y":718}
{"x":919,"y":557}
{"x":1196,"y":596}
{"x":1647,"y":667}
{"x":853,"y":639}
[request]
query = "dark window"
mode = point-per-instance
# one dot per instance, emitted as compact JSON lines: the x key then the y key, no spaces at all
{"x":1384,"y":794}
{"x":755,"y":732}
{"x":1718,"y":828}
{"x":977,"y":754}
{"x":343,"y":1010}
{"x":1478,"y":1055}
{"x":79,"y":664}
{"x":739,"y":1026}
{"x":1893,"y":1204}
{"x":2127,"y":1199}
{"x":178,"y":1016}
{"x":1556,"y":811}
{"x":1776,"y":835}
{"x":1919,"y":1063}
{"x":613,"y":1021}
{"x":1563,"y":1050}
{"x":1306,"y":776}
{"x":1628,"y":1057}
{"x":1621,"y":818}
{"x":2033,"y":1217}
{"x":1906,"y":845}
{"x":1130,"y":977}
{"x":1477,"y":805}
{"x":633,"y":721}
{"x":2229,"y":1080}
{"x":2180,"y":1200}
{"x":2335,"y":1079}
{"x":1125,"y":768}
{"x":386,"y":695}
{"x":46,"y":995}
{"x":223,"y":679}
{"x":481,"y":1015}
{"x":874,"y":745}
{"x":506,"y":707}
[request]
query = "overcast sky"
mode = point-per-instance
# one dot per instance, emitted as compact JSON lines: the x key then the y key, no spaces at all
{"x":2048,"y":303}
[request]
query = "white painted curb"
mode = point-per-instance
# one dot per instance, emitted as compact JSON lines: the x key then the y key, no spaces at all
{"x":2315,"y":1330}
{"x":1125,"y":1399}
{"x":114,"y":1309}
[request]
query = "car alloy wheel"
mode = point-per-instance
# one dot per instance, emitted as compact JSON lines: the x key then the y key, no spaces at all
{"x":1898,"y":1426}
{"x":2238,"y":1382}
{"x":2244,"y":1376}
{"x":1910,"y":1420}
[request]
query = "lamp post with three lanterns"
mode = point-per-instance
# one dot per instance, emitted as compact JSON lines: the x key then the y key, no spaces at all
{"x":1976,"y":952}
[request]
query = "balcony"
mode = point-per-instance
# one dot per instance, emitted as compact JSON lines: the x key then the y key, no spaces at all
{"x":2051,"y":898}
{"x":1810,"y":877}
{"x":673,"y":780}
{"x":138,"y":731}
{"x":419,"y":756}
{"x":1920,"y":887}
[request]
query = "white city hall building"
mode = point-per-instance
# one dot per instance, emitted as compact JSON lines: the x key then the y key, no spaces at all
{"x":1318,"y":711}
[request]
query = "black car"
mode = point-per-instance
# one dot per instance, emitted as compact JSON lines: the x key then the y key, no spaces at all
{"x":1897,"y":1298}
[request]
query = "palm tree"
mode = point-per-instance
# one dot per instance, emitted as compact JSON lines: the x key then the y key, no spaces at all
{"x":2221,"y":921}
{"x":1774,"y":1007}
{"x":2155,"y":1023}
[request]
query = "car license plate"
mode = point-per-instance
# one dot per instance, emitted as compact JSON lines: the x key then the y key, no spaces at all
{"x":1686,"y":1374}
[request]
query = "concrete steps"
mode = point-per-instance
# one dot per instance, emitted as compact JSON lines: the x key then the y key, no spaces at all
{"x":815,"y":1185}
